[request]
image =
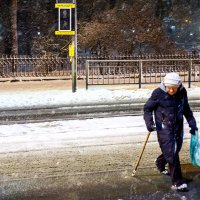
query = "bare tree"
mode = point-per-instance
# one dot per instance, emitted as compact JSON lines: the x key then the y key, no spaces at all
{"x":126,"y":31}
{"x":14,"y":27}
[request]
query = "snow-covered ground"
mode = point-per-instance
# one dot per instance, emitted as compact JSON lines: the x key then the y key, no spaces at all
{"x":31,"y":136}
{"x":32,"y":99}
{"x":45,"y":135}
{"x":61,"y":134}
{"x":34,"y":153}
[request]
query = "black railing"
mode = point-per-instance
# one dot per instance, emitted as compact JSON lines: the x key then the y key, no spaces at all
{"x":121,"y":69}
{"x":30,"y":67}
{"x":142,"y":71}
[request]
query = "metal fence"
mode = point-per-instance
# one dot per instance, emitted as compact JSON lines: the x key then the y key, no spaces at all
{"x":143,"y":71}
{"x":25,"y":67}
{"x":121,"y":69}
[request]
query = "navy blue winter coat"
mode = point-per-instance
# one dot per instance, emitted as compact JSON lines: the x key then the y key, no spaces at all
{"x":168,"y":113}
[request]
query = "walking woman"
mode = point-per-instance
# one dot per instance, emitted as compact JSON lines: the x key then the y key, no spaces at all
{"x":163,"y":112}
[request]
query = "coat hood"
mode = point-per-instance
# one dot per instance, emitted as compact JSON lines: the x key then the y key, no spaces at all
{"x":162,"y":86}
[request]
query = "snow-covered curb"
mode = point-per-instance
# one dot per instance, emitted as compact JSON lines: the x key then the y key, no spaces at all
{"x":65,"y":98}
{"x":38,"y":99}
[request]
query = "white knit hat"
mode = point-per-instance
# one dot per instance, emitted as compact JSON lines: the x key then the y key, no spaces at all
{"x":172,"y":79}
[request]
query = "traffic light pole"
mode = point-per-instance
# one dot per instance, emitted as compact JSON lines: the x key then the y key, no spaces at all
{"x":74,"y":58}
{"x":68,"y":26}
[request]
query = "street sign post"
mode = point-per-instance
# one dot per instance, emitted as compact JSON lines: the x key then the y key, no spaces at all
{"x":67,"y":25}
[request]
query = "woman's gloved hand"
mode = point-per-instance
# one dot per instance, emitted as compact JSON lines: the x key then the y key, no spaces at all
{"x":151,"y":128}
{"x":193,"y":130}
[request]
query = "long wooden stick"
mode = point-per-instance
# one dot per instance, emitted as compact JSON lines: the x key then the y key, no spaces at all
{"x":137,"y":164}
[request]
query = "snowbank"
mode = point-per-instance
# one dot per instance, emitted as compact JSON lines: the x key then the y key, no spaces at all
{"x":35,"y":99}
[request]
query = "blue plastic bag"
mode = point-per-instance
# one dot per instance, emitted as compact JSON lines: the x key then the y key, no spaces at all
{"x":195,"y":149}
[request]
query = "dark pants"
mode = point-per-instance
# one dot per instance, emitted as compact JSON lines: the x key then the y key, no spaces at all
{"x":175,"y":168}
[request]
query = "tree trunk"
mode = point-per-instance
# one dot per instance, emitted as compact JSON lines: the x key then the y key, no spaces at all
{"x":14,"y":27}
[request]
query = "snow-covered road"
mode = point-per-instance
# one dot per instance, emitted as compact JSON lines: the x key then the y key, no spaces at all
{"x":76,"y":153}
{"x":62,"y":134}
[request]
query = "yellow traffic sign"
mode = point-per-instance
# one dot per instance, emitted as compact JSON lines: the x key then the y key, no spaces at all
{"x":65,"y":5}
{"x":64,"y":32}
{"x":71,"y":50}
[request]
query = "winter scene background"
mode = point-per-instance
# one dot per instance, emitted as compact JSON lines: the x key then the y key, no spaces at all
{"x":74,"y":77}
